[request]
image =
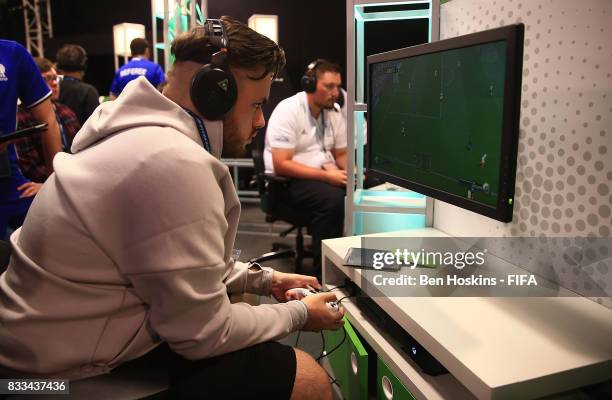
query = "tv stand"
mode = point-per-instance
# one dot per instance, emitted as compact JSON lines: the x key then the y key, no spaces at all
{"x":494,"y":348}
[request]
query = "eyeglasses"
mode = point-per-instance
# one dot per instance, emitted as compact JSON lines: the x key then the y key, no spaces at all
{"x":53,"y":78}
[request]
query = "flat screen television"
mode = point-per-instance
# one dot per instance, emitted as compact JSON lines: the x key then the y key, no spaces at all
{"x":443,"y":119}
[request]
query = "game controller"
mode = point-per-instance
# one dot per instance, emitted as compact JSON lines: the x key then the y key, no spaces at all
{"x":303,"y":292}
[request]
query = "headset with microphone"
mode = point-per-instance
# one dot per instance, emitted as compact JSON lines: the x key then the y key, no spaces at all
{"x":309,"y":80}
{"x":213,"y":87}
{"x":340,"y":100}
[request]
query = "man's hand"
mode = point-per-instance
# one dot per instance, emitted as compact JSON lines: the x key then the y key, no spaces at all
{"x":320,"y":316}
{"x":281,"y":282}
{"x":4,"y":146}
{"x":284,"y":165}
{"x":29,"y":189}
{"x":336,"y":177}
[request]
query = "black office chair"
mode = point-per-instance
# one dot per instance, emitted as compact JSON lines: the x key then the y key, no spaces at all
{"x":274,"y":199}
{"x":276,"y":204}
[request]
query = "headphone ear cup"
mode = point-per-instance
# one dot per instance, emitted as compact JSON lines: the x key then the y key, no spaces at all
{"x":309,"y":83}
{"x":213,"y":92}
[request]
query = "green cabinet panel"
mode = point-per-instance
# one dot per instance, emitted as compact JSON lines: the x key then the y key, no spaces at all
{"x":338,"y":358}
{"x":388,"y":386}
{"x":349,"y":362}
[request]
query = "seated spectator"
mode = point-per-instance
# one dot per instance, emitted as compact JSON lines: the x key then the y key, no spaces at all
{"x":80,"y":97}
{"x":306,"y":141}
{"x":29,"y":149}
{"x":139,"y":65}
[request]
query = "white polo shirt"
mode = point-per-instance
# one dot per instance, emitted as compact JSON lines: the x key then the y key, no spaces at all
{"x":292,"y":126}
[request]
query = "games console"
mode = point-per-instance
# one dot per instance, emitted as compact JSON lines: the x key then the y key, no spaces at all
{"x":428,"y":363}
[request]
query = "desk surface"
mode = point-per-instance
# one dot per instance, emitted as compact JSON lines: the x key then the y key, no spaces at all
{"x":502,"y":347}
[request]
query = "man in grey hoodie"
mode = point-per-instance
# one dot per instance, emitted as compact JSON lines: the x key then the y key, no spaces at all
{"x":128,"y":244}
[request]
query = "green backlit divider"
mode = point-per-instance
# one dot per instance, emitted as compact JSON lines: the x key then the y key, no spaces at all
{"x":175,"y":16}
{"x":364,"y":213}
{"x":365,"y":13}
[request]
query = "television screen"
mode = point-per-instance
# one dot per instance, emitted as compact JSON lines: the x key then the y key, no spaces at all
{"x":443,"y":119}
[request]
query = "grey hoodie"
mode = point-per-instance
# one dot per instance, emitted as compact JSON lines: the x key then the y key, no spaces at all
{"x":129,"y":244}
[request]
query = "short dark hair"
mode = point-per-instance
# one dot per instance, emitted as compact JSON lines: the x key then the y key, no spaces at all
{"x":71,"y":57}
{"x":246,"y":48}
{"x":138,"y":46}
{"x":44,"y":65}
{"x":322,"y":66}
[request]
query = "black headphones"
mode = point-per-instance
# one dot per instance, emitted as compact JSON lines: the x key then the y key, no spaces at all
{"x":309,"y":80}
{"x":213,"y":88}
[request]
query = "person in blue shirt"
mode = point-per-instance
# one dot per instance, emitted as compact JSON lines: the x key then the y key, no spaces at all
{"x":20,"y":79}
{"x":139,"y":65}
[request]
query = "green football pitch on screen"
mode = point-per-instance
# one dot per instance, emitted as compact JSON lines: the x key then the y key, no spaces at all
{"x":437,"y":119}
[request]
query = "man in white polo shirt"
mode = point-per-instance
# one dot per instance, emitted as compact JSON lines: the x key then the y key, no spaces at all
{"x":306,"y":141}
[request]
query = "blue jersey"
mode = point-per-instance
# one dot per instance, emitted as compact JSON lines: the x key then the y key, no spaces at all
{"x":19,"y":78}
{"x":132,"y":70}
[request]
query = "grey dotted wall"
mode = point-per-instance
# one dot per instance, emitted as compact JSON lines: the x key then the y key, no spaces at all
{"x":564,"y":173}
{"x":564,"y":166}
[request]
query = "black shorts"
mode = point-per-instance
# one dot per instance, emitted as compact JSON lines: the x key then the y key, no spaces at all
{"x":262,"y":371}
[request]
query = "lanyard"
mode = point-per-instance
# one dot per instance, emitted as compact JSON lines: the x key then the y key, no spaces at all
{"x":320,"y":131}
{"x":201,"y":129}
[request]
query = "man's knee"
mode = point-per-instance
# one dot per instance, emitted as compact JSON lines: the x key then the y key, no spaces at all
{"x":311,"y":380}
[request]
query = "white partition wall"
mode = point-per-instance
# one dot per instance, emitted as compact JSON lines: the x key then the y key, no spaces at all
{"x":564,"y":166}
{"x":564,"y":169}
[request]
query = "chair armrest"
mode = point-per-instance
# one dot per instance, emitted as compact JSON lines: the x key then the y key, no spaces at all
{"x":277,"y":178}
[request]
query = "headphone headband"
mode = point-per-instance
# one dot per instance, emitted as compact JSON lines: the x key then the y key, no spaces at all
{"x":312,"y":67}
{"x":215,"y":31}
{"x":309,"y":80}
